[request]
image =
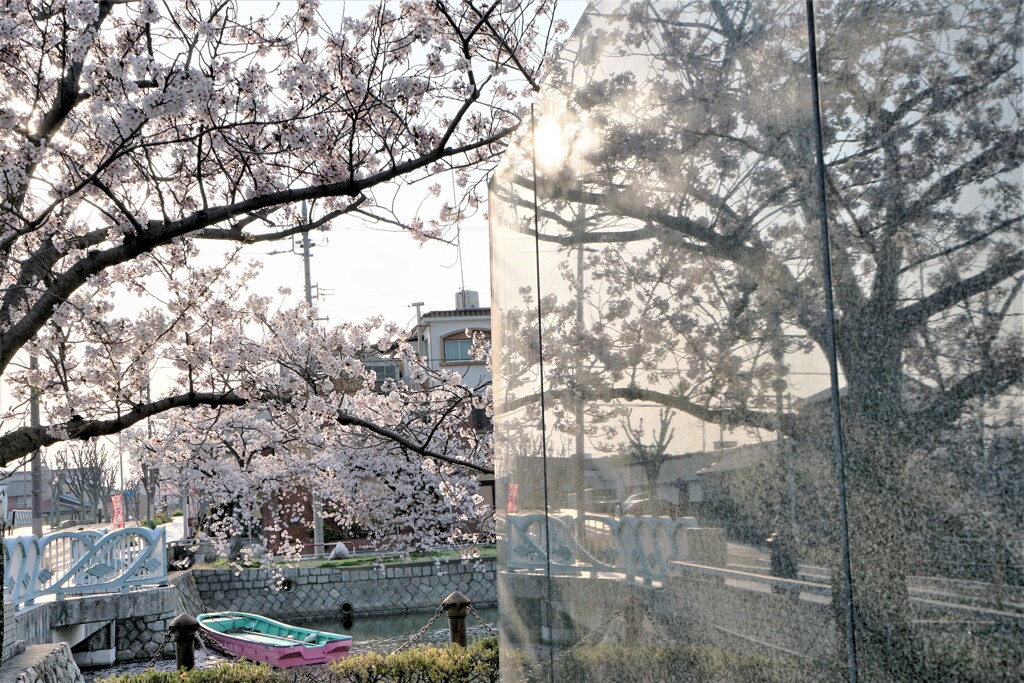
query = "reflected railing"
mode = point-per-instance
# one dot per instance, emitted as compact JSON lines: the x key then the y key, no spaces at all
{"x":637,"y":547}
{"x":650,"y":549}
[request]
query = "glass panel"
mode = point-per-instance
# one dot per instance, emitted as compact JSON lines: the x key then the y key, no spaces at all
{"x":679,"y":436}
{"x":923,"y":148}
{"x":664,"y":429}
{"x":520,"y":495}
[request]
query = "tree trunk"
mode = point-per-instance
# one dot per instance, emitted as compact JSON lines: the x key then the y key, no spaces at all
{"x":886,"y":648}
{"x":878,"y":511}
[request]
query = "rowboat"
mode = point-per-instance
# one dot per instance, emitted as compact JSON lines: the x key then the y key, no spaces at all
{"x":260,"y":639}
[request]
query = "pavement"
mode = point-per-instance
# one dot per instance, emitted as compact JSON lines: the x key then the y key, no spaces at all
{"x":174,"y":529}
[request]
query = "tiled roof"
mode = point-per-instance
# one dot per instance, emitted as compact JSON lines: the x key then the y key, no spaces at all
{"x":459,"y":313}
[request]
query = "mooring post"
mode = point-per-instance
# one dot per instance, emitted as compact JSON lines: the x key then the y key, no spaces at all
{"x":184,"y":628}
{"x":457,"y":607}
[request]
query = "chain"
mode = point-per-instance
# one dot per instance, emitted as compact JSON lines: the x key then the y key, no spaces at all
{"x":159,"y":650}
{"x":440,"y":608}
{"x":490,"y":631}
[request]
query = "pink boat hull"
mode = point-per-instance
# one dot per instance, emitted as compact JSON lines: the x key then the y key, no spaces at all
{"x":281,"y":656}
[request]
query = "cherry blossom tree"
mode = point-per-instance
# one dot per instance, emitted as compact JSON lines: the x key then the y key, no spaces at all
{"x":138,"y":137}
{"x":399,"y":458}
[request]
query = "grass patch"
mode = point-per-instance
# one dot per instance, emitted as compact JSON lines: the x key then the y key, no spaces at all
{"x":369,"y":560}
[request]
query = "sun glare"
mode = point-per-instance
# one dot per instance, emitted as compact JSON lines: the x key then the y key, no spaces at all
{"x":560,"y":143}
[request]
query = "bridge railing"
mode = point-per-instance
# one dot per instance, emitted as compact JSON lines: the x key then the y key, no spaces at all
{"x":83,"y":563}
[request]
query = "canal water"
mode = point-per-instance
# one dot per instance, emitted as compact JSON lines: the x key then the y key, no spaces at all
{"x":382,"y":634}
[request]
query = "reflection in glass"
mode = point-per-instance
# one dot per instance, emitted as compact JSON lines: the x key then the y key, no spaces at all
{"x":663,"y":414}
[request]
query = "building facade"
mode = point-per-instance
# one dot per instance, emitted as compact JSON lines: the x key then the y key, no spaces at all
{"x":441,"y":337}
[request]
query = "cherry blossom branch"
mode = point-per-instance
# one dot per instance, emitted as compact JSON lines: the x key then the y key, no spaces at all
{"x":22,"y":441}
{"x":917,"y":313}
{"x":409,"y":444}
{"x":159,"y":233}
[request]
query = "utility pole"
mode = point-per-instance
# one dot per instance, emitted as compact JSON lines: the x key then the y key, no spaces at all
{"x":315,"y":502}
{"x":418,"y":305}
{"x":37,"y":460}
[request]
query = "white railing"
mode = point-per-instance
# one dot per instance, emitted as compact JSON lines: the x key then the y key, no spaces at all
{"x":83,"y":563}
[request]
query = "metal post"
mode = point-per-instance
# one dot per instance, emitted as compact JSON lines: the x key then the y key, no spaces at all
{"x":314,"y":500}
{"x":183,"y":628}
{"x":457,"y":607}
{"x":37,"y":461}
{"x":185,"y":531}
{"x":846,"y":572}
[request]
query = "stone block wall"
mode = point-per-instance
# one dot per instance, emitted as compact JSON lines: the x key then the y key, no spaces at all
{"x":311,"y":593}
{"x":50,"y":663}
{"x":141,"y":637}
{"x":14,"y":644}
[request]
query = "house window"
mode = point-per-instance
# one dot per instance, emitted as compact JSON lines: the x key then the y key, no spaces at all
{"x":456,"y":346}
{"x":457,"y":350}
{"x":385,"y":371}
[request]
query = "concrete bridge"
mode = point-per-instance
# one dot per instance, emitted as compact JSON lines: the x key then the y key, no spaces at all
{"x":99,"y":629}
{"x":106,"y":595}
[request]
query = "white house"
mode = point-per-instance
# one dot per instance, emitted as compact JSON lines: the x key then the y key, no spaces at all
{"x":440,"y":337}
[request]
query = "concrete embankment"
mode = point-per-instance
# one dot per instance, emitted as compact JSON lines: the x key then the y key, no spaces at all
{"x":132,"y":626}
{"x":328,"y":592}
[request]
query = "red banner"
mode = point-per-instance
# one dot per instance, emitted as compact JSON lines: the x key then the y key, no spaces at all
{"x":513,"y":502}
{"x":117,"y":505}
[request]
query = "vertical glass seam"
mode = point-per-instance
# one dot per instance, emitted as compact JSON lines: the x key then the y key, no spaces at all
{"x":540,"y":373}
{"x":830,"y":349}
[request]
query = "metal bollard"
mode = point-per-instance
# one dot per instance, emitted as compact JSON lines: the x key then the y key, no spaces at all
{"x":184,"y":628}
{"x":457,"y":607}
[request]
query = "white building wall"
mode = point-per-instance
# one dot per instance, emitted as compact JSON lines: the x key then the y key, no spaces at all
{"x":473,"y":374}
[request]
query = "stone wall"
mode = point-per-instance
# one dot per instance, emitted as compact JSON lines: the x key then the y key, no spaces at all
{"x":141,"y":637}
{"x":13,"y":643}
{"x":141,"y":619}
{"x":321,"y":593}
{"x":50,"y":663}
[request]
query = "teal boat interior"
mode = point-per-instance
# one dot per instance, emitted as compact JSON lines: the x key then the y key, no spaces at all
{"x":266,"y":631}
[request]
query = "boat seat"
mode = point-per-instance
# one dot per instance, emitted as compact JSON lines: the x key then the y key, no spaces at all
{"x":266,"y":639}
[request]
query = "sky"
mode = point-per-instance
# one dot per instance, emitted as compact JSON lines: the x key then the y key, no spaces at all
{"x":363,"y":270}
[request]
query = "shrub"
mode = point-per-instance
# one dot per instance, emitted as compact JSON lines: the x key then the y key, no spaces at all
{"x":157,"y":519}
{"x":222,"y":673}
{"x":477,"y":663}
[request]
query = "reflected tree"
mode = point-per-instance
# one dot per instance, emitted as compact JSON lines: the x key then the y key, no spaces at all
{"x":650,"y":456}
{"x":689,"y":159}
